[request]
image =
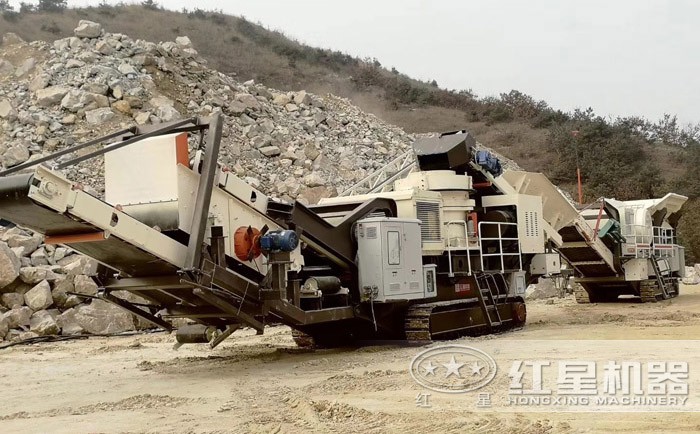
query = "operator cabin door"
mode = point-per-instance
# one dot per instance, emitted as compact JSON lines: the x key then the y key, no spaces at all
{"x":395,"y":282}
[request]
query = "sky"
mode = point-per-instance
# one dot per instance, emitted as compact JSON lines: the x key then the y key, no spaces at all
{"x":620,"y":57}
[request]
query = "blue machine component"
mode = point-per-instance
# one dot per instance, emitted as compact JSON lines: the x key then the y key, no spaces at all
{"x":279,"y":241}
{"x":489,"y":162}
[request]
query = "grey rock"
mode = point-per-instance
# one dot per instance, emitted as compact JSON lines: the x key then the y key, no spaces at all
{"x":183,"y":42}
{"x":34,"y":275}
{"x":74,"y":265}
{"x":99,"y":116}
{"x":51,"y":95}
{"x":302,"y":97}
{"x":142,"y":118}
{"x":39,"y":297}
{"x":69,"y":324}
{"x":100,"y":317}
{"x":12,"y":300}
{"x":9,"y":265}
{"x":59,"y":293}
{"x":311,"y":152}
{"x":39,"y":257}
{"x":4,"y":327}
{"x":43,"y":323}
{"x":314,"y":180}
{"x":6,"y":109}
{"x":15,"y":154}
{"x":6,"y":68}
{"x":76,"y":100}
{"x":127,"y":69}
{"x":248,"y":100}
{"x":281,"y":99}
{"x":26,"y":67}
{"x":85,"y":285}
{"x":28,"y":242}
{"x":40,"y":81}
{"x":167,"y":113}
{"x":18,"y":317}
{"x":270,"y":151}
{"x":104,"y":48}
{"x":88,"y":29}
{"x":96,"y":88}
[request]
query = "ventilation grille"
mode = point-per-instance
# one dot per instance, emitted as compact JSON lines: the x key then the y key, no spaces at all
{"x":414,"y":286}
{"x":394,"y":287}
{"x":429,"y":215}
{"x":371,"y":232}
{"x":532,"y":224}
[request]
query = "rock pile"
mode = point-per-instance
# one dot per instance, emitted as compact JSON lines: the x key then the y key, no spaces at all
{"x":692,"y":275}
{"x":38,"y":284}
{"x":290,"y":144}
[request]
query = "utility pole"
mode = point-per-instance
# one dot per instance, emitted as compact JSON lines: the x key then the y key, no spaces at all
{"x":575,"y":134}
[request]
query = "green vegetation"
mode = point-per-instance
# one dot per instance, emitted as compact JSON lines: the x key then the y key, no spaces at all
{"x":623,"y":158}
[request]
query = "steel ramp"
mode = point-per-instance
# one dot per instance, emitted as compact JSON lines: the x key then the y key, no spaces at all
{"x":573,"y":237}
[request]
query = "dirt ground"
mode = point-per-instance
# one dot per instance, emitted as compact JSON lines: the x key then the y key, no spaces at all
{"x":265,"y":384}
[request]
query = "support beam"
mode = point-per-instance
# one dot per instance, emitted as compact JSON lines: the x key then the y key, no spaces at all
{"x":203,"y":200}
{"x":210,"y":297}
{"x":136,"y":311}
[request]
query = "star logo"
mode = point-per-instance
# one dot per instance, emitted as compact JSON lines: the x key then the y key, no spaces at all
{"x":429,"y":368}
{"x":453,"y":368}
{"x":476,"y":368}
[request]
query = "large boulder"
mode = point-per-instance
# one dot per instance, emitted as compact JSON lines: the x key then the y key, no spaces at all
{"x":68,"y":322}
{"x":43,"y":323}
{"x":100,"y":317}
{"x":691,"y":276}
{"x":543,"y":289}
{"x":15,"y":154}
{"x":18,"y":317}
{"x":39,"y":297}
{"x":88,"y":29}
{"x":12,"y":300}
{"x":9,"y":265}
{"x":6,"y":109}
{"x":51,"y":95}
{"x":29,"y":243}
{"x":4,"y":327}
{"x":99,"y":116}
{"x":33,"y":275}
{"x":85,"y":285}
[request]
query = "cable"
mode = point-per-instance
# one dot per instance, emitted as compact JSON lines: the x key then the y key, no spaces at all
{"x":59,"y":338}
{"x":371,"y":305}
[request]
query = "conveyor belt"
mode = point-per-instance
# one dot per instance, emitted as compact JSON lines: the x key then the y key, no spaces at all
{"x":18,"y":208}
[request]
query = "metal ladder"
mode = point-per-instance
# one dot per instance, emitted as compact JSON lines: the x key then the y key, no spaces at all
{"x":660,"y":278}
{"x":382,"y":179}
{"x":487,"y":284}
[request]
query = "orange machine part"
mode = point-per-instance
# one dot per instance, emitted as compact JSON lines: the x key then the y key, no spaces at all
{"x":246,"y":243}
{"x":475,"y":221}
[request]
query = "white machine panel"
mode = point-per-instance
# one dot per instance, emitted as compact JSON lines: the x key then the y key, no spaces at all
{"x":389,"y":259}
{"x":145,"y":172}
{"x":545,"y":263}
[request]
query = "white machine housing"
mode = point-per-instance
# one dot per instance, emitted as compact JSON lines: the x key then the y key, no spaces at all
{"x":389,"y":260}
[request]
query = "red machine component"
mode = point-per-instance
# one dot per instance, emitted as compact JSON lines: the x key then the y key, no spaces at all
{"x":246,"y":243}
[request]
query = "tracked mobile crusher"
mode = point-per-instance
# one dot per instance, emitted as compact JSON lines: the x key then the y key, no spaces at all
{"x":446,"y":253}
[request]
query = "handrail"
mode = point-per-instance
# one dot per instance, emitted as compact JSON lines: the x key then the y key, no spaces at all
{"x":449,"y":247}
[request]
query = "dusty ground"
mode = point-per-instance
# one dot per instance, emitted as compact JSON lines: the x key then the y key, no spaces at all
{"x":264,"y":384}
